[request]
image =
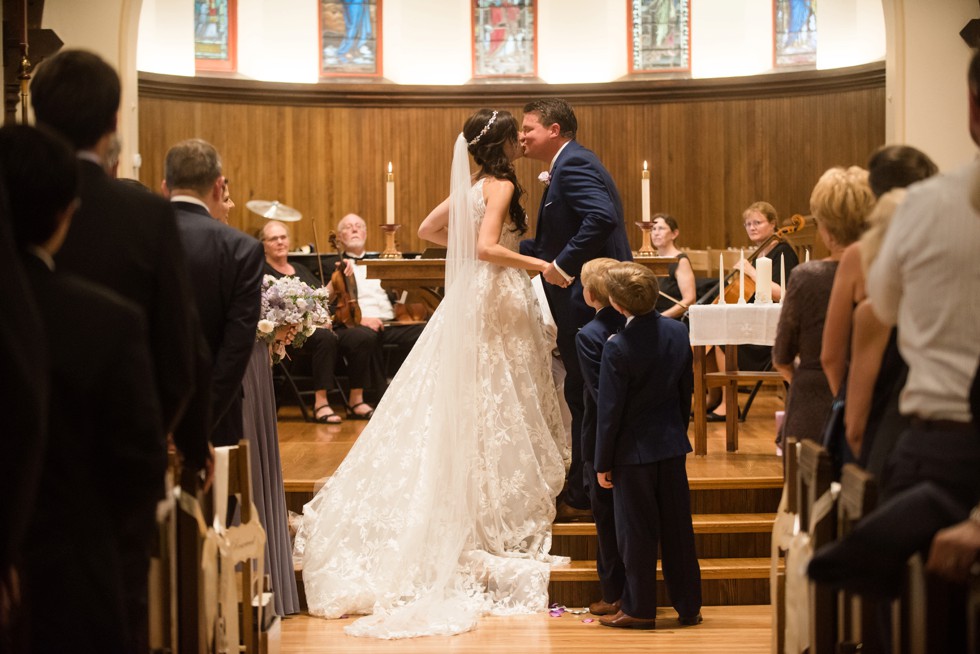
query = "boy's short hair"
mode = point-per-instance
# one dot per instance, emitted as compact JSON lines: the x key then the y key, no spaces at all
{"x":594,"y":277}
{"x":633,"y":287}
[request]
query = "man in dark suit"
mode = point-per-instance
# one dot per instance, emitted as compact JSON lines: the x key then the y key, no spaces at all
{"x":645,"y":387}
{"x":225,"y":267}
{"x":580,"y":218}
{"x":105,"y":456}
{"x":122,"y":237}
{"x":126,"y":239}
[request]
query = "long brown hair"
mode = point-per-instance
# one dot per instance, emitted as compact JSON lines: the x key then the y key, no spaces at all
{"x":488,"y":152}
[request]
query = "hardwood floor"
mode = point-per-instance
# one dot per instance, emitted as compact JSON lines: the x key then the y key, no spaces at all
{"x":729,"y":629}
{"x":725,"y":488}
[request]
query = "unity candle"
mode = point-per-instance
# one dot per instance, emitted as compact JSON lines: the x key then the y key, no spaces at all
{"x":645,"y":188}
{"x":390,"y":197}
{"x":763,"y":280}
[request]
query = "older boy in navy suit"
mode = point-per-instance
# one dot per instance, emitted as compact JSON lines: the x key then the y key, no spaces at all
{"x":589,"y":342}
{"x":645,"y":388}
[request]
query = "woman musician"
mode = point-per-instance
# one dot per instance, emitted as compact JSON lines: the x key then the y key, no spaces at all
{"x":678,"y":291}
{"x":358,"y":344}
{"x":759,"y":221}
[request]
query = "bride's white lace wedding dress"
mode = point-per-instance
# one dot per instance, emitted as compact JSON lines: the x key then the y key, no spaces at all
{"x":442,"y":510}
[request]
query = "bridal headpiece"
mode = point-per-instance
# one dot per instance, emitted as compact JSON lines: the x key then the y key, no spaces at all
{"x":486,"y":128}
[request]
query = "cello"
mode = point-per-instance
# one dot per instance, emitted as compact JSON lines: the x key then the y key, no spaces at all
{"x":733,"y":290}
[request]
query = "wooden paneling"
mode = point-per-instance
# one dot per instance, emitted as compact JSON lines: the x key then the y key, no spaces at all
{"x":714,"y":146}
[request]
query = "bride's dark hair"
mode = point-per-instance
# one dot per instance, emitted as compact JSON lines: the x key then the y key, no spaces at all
{"x":488,"y":152}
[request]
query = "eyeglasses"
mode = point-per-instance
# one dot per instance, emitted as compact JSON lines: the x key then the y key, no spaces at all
{"x":754,"y":223}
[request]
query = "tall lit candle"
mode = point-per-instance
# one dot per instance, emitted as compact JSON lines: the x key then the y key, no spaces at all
{"x":721,"y":278}
{"x":645,"y":188}
{"x":390,"y":197}
{"x":782,"y":278}
{"x":741,"y":279}
{"x":763,"y":280}
{"x":806,"y":256}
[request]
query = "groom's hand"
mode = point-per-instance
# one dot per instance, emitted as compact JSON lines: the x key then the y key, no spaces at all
{"x":605,"y":479}
{"x":552,"y":276}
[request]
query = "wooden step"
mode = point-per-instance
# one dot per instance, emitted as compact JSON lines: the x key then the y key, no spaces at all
{"x":750,"y":568}
{"x":707,"y":523}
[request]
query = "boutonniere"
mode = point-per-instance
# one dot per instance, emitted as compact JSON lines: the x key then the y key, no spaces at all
{"x":545,"y":177}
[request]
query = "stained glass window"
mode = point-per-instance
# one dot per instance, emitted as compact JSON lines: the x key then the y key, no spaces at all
{"x":660,"y":35}
{"x":350,"y":37}
{"x":214,"y":34}
{"x":795,"y":32}
{"x":504,"y":38}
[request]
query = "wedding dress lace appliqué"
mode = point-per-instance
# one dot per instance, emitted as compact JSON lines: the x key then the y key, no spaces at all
{"x":442,"y":510}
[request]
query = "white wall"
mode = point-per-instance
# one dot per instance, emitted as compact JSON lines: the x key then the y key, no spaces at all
{"x":109,"y":28}
{"x":849,"y":32}
{"x":926,"y":78}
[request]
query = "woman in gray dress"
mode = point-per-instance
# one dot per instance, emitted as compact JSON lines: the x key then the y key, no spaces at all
{"x":840,"y":202}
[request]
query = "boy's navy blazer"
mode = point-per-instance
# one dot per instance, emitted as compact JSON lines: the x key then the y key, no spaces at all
{"x":645,"y":387}
{"x":589,"y":343}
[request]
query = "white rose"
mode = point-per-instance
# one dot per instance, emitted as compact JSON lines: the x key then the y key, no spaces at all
{"x":266,"y":326}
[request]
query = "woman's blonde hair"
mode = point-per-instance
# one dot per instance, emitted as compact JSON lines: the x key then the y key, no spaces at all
{"x":878,"y":221}
{"x":767,"y":210}
{"x":841,"y":200}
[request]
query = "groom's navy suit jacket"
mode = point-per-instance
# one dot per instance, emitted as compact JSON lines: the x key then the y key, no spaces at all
{"x":580,"y":218}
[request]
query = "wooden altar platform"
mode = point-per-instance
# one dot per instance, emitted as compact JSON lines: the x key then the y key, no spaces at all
{"x":734,"y":496}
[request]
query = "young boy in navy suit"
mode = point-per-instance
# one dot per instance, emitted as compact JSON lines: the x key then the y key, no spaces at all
{"x":645,"y":388}
{"x":589,"y":343}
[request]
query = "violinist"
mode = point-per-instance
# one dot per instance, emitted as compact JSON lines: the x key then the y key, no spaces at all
{"x":376,"y":307}
{"x":759,"y":221}
{"x":358,"y":345}
{"x":679,"y":290}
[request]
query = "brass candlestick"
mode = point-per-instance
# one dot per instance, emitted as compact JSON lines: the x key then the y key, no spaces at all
{"x":390,"y":251}
{"x":646,"y":249}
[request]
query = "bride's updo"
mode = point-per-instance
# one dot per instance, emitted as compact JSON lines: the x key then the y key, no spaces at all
{"x":487,"y":132}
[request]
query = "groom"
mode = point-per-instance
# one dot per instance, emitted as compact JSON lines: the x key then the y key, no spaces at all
{"x":580,"y":218}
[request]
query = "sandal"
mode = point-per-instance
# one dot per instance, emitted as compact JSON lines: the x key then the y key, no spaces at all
{"x":327,"y":418}
{"x":353,"y":415}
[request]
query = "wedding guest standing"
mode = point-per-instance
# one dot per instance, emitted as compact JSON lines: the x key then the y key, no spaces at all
{"x":580,"y":218}
{"x":645,"y":386}
{"x":841,"y":200}
{"x":103,"y":464}
{"x":225,"y":266}
{"x":125,"y":239}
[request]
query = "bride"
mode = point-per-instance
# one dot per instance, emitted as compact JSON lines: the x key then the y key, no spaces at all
{"x":442,"y":510}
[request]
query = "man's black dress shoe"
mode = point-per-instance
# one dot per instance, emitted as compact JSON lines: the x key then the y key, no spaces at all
{"x":568,"y":513}
{"x":602,"y":607}
{"x":690,"y":620}
{"x":623,"y":621}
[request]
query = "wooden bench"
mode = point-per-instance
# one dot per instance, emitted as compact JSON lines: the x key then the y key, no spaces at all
{"x":813,"y":481}
{"x":856,"y":619}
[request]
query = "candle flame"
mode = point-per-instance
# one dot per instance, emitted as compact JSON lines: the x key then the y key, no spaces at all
{"x":644,"y":164}
{"x":389,"y":166}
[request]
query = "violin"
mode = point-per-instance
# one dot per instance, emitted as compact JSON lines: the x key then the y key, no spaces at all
{"x":733,"y":290}
{"x":343,"y":291}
